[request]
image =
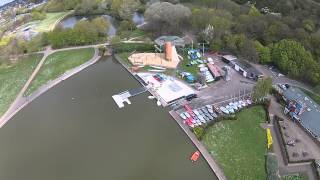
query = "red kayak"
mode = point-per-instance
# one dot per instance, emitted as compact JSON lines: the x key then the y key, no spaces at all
{"x":195,"y":156}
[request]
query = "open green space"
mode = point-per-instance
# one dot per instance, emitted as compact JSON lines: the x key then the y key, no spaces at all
{"x":50,"y":21}
{"x":13,"y":77}
{"x":295,"y":177}
{"x":239,"y":146}
{"x":191,"y":69}
{"x":124,"y":58}
{"x":58,"y":63}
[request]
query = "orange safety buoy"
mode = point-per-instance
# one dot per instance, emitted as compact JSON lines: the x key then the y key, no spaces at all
{"x":195,"y":156}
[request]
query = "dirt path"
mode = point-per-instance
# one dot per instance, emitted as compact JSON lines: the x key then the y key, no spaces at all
{"x":21,"y":101}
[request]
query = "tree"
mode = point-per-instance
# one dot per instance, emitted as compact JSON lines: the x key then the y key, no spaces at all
{"x":37,"y":15}
{"x":124,"y":8}
{"x":309,"y":25}
{"x":166,"y":17}
{"x":262,"y":89}
{"x":101,"y":25}
{"x":253,"y":11}
{"x":292,"y":58}
{"x":263,"y":52}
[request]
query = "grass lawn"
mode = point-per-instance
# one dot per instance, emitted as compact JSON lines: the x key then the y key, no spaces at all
{"x":5,"y":40}
{"x":295,"y":177}
{"x":191,"y":69}
{"x":239,"y":146}
{"x":50,"y":21}
{"x":13,"y":77}
{"x":58,"y":63}
{"x":124,"y":58}
{"x":313,"y":96}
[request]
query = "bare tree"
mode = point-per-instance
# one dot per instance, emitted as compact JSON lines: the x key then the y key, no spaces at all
{"x":164,"y":17}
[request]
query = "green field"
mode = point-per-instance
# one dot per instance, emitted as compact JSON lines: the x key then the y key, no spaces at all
{"x":312,"y":95}
{"x":239,"y":146}
{"x":58,"y":63}
{"x":13,"y":77}
{"x":50,"y":21}
{"x":191,"y":69}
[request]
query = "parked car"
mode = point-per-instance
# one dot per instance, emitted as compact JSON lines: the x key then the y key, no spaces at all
{"x":191,"y":96}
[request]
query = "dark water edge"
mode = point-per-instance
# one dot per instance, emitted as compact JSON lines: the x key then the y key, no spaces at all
{"x":76,"y":132}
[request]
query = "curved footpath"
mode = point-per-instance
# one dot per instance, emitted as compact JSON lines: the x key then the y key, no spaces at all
{"x":21,"y":101}
{"x":204,"y":152}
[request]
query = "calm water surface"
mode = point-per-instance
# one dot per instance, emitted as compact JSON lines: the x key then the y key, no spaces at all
{"x":76,"y":132}
{"x":71,"y":21}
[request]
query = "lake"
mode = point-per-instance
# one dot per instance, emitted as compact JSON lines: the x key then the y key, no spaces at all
{"x":71,"y":21}
{"x":75,"y":131}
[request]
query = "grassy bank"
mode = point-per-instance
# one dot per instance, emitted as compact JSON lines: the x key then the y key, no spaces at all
{"x":50,"y":21}
{"x":295,"y":177}
{"x":58,"y":63}
{"x":312,"y":95}
{"x":239,"y":146}
{"x":13,"y":77}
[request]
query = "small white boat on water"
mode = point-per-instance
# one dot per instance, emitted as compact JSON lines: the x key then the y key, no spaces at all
{"x":151,"y":97}
{"x":158,"y":67}
{"x":224,"y":110}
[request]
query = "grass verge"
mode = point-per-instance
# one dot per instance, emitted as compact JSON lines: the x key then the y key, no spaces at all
{"x":295,"y":177}
{"x":312,"y":95}
{"x":13,"y":77}
{"x":239,"y":146}
{"x":50,"y":21}
{"x":58,"y":63}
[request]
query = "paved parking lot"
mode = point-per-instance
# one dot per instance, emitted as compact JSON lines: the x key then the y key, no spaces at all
{"x":223,"y":90}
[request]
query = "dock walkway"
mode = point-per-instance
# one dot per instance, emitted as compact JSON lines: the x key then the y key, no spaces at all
{"x":123,"y":97}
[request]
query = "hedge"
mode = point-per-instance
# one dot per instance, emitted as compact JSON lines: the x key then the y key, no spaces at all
{"x":130,"y":47}
{"x":272,"y":167}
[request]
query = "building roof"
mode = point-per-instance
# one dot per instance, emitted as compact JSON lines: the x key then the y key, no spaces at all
{"x":310,"y":119}
{"x":247,"y":67}
{"x":176,"y":41}
{"x":229,"y":57}
{"x":214,"y":70}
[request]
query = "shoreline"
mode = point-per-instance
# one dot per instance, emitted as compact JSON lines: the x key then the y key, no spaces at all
{"x":205,"y":154}
{"x":24,"y":101}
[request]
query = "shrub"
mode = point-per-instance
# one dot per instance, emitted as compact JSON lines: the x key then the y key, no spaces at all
{"x":199,"y":132}
{"x":272,"y":167}
{"x":129,"y":47}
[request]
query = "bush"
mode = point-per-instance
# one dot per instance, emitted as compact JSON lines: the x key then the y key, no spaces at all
{"x":272,"y":167}
{"x":129,"y":47}
{"x":199,"y":132}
